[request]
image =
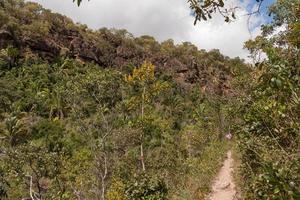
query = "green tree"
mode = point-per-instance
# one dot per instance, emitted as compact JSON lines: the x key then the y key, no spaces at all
{"x":144,"y":87}
{"x":269,"y":134}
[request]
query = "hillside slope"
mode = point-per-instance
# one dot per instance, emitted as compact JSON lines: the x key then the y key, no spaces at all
{"x":100,"y":114}
{"x":35,"y":30}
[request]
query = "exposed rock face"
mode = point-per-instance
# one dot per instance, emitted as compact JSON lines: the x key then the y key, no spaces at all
{"x":43,"y":46}
{"x":6,"y":38}
{"x":61,"y":37}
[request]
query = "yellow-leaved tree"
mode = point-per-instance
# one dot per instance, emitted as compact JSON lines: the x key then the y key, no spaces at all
{"x":144,"y":88}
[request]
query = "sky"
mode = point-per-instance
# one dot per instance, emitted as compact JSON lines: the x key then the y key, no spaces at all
{"x":167,"y":19}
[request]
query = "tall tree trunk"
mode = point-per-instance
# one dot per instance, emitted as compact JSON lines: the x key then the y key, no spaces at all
{"x":142,"y":157}
{"x":141,"y":146}
{"x":103,"y":178}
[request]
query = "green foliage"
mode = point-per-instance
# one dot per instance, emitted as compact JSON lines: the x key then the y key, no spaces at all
{"x":3,"y":185}
{"x":170,"y":118}
{"x":8,"y":57}
{"x":146,"y":188}
{"x":269,"y":134}
{"x":72,"y":118}
{"x":49,"y":133}
{"x":81,"y":111}
{"x":203,"y":10}
{"x":201,"y":170}
{"x":279,"y":180}
{"x":116,"y":190}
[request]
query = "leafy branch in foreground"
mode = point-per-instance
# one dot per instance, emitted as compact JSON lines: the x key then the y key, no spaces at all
{"x":203,"y":10}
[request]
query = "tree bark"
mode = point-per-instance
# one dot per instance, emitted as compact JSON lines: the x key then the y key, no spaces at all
{"x":141,"y":146}
{"x":103,"y":178}
{"x":142,"y":157}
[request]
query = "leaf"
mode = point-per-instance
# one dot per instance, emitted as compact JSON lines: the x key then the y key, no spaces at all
{"x":278,"y":83}
{"x":78,"y":2}
{"x":233,"y":15}
{"x":221,"y":3}
{"x":276,"y":190}
{"x":273,"y":79}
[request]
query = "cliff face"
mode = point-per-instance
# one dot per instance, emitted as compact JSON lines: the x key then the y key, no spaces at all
{"x":35,"y":30}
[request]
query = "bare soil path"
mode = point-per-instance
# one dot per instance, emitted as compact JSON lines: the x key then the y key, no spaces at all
{"x":223,"y":187}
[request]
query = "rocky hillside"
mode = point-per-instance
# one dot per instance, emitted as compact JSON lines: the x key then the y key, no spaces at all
{"x":34,"y":31}
{"x":101,"y":114}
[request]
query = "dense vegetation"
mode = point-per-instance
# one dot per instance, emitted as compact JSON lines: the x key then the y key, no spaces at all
{"x":104,"y":115}
{"x":100,"y":114}
{"x":270,"y":132}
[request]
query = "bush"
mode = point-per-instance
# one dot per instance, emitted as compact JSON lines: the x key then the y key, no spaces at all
{"x":145,"y":187}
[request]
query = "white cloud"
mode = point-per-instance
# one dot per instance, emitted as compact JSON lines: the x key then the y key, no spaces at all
{"x":162,"y":19}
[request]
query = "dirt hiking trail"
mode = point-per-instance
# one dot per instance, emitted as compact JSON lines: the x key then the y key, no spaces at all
{"x":223,"y":187}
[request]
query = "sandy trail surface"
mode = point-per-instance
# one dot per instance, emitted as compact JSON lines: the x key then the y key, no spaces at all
{"x":223,"y":187}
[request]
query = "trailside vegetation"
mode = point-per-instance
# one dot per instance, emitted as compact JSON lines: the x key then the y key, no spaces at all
{"x":269,"y":135}
{"x":100,"y":114}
